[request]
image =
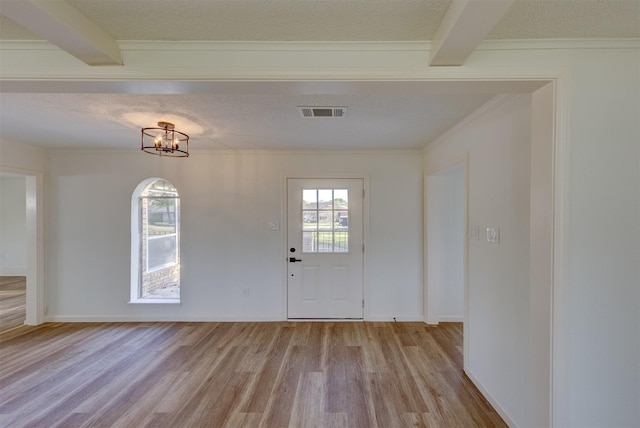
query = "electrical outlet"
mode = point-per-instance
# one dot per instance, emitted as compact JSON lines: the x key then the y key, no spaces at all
{"x":245,"y":292}
{"x":475,"y":233}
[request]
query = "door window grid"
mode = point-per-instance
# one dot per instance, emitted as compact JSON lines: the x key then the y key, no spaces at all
{"x":325,"y":221}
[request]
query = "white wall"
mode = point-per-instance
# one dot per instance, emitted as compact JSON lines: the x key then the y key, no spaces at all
{"x":498,"y":146}
{"x":446,"y":215}
{"x":13,"y":226}
{"x":596,"y":312}
{"x":597,"y":293}
{"x":227,"y":200}
{"x":603,"y":249}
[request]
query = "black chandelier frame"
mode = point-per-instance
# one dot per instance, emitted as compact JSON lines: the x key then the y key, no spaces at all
{"x":165,"y":141}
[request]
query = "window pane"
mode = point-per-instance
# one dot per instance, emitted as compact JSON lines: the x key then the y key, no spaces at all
{"x":309,"y":242}
{"x":341,"y":199}
{"x":325,"y":220}
{"x":341,"y":242}
{"x":309,"y":220}
{"x":309,"y":199}
{"x":325,"y":199}
{"x":160,"y":188}
{"x":162,"y":216}
{"x":342,"y":222}
{"x":325,"y":242}
{"x":162,"y":251}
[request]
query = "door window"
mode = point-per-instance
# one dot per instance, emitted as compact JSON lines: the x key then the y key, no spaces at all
{"x":325,"y":221}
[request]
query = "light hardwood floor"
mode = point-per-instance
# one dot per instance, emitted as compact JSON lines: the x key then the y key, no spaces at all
{"x":13,"y":290}
{"x":320,"y":374}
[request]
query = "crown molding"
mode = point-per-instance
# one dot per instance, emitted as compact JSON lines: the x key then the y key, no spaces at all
{"x":26,"y":45}
{"x":306,"y":46}
{"x":536,"y":44}
{"x":337,"y":46}
{"x":203,"y":45}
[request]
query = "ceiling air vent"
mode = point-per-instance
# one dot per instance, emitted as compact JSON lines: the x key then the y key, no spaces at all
{"x":336,"y":112}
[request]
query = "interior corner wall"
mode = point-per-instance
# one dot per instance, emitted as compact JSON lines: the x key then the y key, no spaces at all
{"x":449,"y":242}
{"x":228,"y":199}
{"x":498,"y":146}
{"x":13,"y":226}
{"x":24,"y":158}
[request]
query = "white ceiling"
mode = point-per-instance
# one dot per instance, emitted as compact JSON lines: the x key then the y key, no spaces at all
{"x":236,"y":121}
{"x":238,"y":118}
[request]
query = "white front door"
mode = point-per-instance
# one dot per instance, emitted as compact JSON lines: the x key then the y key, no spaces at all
{"x":325,"y":248}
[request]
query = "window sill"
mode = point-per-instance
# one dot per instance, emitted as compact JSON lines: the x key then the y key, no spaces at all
{"x":155,"y":302}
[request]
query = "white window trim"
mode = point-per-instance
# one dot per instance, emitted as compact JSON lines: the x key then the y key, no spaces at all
{"x":136,"y":251}
{"x":148,"y":301}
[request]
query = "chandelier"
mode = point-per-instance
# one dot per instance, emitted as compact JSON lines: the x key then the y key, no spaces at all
{"x":165,"y":141}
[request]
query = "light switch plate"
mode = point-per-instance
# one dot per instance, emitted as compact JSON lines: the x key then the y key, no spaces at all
{"x":493,"y":235}
{"x":475,"y":233}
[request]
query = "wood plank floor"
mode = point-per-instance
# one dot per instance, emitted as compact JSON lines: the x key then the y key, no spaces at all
{"x":13,"y":292}
{"x":320,"y":374}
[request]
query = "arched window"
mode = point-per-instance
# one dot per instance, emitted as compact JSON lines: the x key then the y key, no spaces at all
{"x":155,"y":242}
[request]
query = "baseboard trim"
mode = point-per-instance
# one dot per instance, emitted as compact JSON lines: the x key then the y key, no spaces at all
{"x":490,"y":398}
{"x":159,"y":318}
{"x":397,"y":318}
{"x":451,"y":319}
{"x":325,"y":320}
{"x":13,"y":271}
{"x":205,"y":318}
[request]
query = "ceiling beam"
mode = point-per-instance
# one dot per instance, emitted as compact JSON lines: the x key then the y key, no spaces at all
{"x":463,"y":28}
{"x":61,"y":24}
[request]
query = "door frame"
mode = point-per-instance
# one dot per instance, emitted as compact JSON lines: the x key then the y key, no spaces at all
{"x":366,"y":290}
{"x":34,"y":181}
{"x":432,"y":253}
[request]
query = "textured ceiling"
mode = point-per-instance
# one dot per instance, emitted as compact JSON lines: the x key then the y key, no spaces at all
{"x":241,"y":119}
{"x":258,"y":20}
{"x":334,"y":20}
{"x":544,"y":19}
{"x":234,"y":121}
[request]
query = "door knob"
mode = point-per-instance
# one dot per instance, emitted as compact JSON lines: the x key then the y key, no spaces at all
{"x":293,"y":260}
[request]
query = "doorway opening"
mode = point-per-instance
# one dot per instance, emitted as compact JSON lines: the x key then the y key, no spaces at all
{"x":446,"y":242}
{"x":31,"y":264}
